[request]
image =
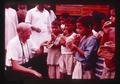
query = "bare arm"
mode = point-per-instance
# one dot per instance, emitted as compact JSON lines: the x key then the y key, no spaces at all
{"x":21,"y":68}
{"x":35,"y":29}
{"x":81,"y":52}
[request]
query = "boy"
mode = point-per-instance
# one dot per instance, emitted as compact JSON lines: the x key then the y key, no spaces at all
{"x":86,"y":51}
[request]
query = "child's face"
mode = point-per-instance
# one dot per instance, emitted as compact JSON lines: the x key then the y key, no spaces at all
{"x":81,"y":29}
{"x":69,"y":27}
{"x":55,"y":29}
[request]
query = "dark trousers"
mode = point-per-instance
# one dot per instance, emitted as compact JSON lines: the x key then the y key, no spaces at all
{"x":38,"y":63}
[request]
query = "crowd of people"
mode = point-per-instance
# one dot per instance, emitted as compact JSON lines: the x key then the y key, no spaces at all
{"x":39,"y":44}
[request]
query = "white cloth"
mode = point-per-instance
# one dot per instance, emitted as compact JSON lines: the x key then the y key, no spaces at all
{"x":15,"y":51}
{"x":11,"y":22}
{"x":42,"y":21}
{"x":53,"y":56}
{"x":52,"y":16}
{"x":77,"y":72}
{"x":97,"y":33}
{"x":66,"y":50}
{"x":54,"y":53}
{"x":53,"y":72}
{"x":66,"y":63}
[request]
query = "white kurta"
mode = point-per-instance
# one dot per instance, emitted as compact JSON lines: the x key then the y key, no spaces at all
{"x":42,"y":21}
{"x":11,"y":21}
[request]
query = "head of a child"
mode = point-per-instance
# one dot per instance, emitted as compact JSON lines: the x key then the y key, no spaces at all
{"x":56,"y":27}
{"x":84,"y":25}
{"x":70,"y":25}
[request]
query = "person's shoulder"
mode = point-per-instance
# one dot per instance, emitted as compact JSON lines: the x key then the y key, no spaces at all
{"x":13,"y":10}
{"x":46,"y":11}
{"x":92,"y":38}
{"x":32,"y":9}
{"x":13,"y":41}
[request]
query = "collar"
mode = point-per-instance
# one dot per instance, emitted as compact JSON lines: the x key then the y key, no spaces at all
{"x":36,"y":9}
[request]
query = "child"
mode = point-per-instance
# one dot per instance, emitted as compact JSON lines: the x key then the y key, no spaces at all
{"x":66,"y":59}
{"x":107,"y":51}
{"x":86,"y":51}
{"x":54,"y":51}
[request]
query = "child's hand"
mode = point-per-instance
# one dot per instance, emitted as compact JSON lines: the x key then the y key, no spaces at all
{"x":73,"y":46}
{"x":62,"y":41}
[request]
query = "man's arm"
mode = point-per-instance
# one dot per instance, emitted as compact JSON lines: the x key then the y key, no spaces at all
{"x":21,"y":68}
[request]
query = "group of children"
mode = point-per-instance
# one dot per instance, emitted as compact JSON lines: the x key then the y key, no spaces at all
{"x":80,"y":48}
{"x":74,"y":50}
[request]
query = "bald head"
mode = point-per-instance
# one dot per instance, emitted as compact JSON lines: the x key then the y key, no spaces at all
{"x":23,"y":26}
{"x":24,"y":31}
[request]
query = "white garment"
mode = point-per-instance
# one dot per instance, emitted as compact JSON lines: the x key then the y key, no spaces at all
{"x":97,"y":33}
{"x":66,"y":50}
{"x":66,"y":63}
{"x":42,"y":21}
{"x":53,"y":72}
{"x":52,"y":16}
{"x":11,"y":22}
{"x":15,"y":51}
{"x":77,"y":72}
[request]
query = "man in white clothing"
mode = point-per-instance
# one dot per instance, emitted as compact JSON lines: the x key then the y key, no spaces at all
{"x":11,"y":21}
{"x":39,"y":17}
{"x":19,"y":53}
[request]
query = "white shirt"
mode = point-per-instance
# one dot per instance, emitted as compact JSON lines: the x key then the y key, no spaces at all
{"x":42,"y":21}
{"x":66,"y":50}
{"x":52,"y":16}
{"x":11,"y":22}
{"x":15,"y":51}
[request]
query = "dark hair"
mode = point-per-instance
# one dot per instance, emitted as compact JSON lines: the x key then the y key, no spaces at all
{"x":56,"y":22}
{"x":86,"y":21}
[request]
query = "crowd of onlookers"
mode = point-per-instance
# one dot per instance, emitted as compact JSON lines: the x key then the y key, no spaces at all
{"x":40,"y":44}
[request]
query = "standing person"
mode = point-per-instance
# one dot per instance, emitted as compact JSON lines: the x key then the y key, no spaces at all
{"x":66,"y":59}
{"x":11,"y":22}
{"x":51,"y":12}
{"x":39,"y":17}
{"x":108,"y":65}
{"x":86,"y":51}
{"x":19,"y":53}
{"x":54,"y":51}
{"x":107,"y":51}
{"x":22,"y":10}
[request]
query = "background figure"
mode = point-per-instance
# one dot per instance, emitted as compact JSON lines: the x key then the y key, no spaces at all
{"x":107,"y":51}
{"x":51,"y":12}
{"x":22,"y":10}
{"x":39,"y":18}
{"x":11,"y":22}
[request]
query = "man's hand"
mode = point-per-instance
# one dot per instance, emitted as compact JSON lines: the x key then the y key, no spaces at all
{"x":36,"y":29}
{"x":39,"y":75}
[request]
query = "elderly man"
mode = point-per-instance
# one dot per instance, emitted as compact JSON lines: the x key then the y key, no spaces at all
{"x":19,"y":54}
